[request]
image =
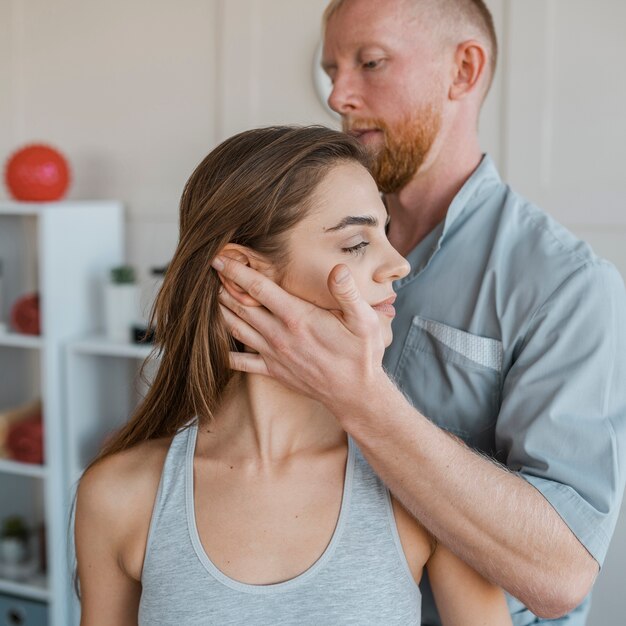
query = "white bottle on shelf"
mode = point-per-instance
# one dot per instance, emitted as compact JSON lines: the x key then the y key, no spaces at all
{"x":121,"y":310}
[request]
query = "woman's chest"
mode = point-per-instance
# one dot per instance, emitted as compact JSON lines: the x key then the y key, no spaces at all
{"x":266,"y":527}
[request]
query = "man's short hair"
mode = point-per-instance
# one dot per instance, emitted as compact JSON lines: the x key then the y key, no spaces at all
{"x":456,"y":18}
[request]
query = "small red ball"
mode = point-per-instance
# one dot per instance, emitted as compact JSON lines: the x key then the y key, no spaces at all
{"x":37,"y":173}
{"x":25,"y":315}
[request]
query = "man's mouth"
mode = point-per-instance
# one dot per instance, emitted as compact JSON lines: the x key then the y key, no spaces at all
{"x":363,"y":134}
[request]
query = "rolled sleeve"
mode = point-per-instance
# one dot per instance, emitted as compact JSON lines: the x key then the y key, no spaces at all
{"x":562,"y":423}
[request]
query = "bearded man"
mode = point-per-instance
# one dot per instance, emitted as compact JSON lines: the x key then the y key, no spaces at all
{"x":499,"y":418}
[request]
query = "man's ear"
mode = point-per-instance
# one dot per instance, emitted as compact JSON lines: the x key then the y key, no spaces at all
{"x":470,"y":65}
{"x":251,"y":259}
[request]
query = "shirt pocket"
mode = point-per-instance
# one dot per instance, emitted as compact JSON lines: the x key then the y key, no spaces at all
{"x":453,"y":377}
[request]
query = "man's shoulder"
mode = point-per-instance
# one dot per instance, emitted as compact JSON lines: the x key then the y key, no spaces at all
{"x":528,"y":230}
{"x":531,"y":246}
{"x":527,"y":257}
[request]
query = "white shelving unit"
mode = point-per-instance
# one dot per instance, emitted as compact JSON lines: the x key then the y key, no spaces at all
{"x":102,"y":389}
{"x":62,"y":250}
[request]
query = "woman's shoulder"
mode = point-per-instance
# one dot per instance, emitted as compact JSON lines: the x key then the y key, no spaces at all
{"x":117,"y":493}
{"x":127,"y":473}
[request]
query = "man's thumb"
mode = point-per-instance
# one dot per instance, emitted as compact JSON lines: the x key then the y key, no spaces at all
{"x":356,"y":313}
{"x":341,"y":285}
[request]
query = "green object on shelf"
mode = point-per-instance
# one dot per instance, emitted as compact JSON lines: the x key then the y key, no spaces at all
{"x":123,"y":275}
{"x":14,"y":527}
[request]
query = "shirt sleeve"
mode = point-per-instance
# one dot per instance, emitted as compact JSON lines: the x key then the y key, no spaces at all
{"x":562,"y":422}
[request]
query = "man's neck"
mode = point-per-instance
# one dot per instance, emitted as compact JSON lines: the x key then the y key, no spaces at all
{"x":424,"y":202}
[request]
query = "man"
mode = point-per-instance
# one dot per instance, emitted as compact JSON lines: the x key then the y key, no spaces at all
{"x":505,"y":434}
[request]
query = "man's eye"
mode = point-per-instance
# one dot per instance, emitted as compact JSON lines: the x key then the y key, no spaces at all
{"x":358,"y":249}
{"x":370,"y":65}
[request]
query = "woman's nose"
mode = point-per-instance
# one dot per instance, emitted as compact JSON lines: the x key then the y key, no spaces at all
{"x":395,"y":266}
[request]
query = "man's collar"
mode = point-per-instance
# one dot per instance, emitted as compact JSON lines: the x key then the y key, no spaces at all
{"x":484,"y":176}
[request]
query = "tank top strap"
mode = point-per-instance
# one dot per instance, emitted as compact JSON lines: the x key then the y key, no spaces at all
{"x":170,"y":496}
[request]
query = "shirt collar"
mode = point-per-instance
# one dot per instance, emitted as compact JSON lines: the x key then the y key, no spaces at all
{"x":467,"y":199}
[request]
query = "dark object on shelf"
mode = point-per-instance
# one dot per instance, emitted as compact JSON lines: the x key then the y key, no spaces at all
{"x":15,"y":527}
{"x":20,"y":612}
{"x":25,"y":441}
{"x":143,"y":334}
{"x":159,"y":271}
{"x":123,"y":275}
{"x":37,"y":173}
{"x":15,"y":553}
{"x":25,"y":314}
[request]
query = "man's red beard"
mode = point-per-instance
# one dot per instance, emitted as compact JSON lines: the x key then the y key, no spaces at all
{"x":405,"y":149}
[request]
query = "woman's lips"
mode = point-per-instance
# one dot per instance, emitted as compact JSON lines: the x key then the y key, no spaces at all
{"x":386,"y":307}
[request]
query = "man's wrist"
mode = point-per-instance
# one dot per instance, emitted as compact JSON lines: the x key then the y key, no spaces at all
{"x":365,"y":409}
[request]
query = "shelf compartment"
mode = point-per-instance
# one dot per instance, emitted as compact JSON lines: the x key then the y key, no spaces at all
{"x":103,"y":389}
{"x":8,"y":466}
{"x":100,"y":345}
{"x":35,"y":588}
{"x":19,"y":340}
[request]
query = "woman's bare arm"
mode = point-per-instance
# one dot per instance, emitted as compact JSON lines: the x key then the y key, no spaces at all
{"x":113,"y":510}
{"x":462,"y":595}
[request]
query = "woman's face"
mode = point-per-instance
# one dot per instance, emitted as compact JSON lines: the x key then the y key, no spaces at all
{"x":346,"y":224}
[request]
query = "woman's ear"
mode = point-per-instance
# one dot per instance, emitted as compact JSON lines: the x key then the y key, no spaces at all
{"x":251,"y":259}
{"x":470,"y":64}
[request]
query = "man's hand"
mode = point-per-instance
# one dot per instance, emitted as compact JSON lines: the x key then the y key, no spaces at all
{"x":323,"y":354}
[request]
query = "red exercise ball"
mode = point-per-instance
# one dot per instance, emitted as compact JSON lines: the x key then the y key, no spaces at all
{"x":37,"y":173}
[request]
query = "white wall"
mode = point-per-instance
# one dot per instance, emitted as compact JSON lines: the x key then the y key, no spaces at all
{"x":136,"y":93}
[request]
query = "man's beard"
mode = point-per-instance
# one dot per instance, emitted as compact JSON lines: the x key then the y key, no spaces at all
{"x":405,"y":149}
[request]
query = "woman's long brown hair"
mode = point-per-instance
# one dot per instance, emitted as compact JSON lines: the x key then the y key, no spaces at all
{"x":250,"y":190}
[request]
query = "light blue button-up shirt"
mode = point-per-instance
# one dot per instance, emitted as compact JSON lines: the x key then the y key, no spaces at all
{"x":511,"y":334}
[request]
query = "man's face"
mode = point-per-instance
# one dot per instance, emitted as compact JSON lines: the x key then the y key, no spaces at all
{"x":388,"y":85}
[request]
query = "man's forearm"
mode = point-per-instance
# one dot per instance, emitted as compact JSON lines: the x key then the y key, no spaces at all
{"x":490,"y":517}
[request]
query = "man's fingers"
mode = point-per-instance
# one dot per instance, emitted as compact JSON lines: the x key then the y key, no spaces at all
{"x":259,"y":287}
{"x":356,"y":312}
{"x":250,"y":363}
{"x":242,"y":331}
{"x":255,"y":316}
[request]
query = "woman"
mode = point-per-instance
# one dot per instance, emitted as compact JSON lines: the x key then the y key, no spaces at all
{"x":227,"y":498}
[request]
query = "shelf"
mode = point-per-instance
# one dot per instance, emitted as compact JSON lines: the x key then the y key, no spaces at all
{"x":18,"y":340}
{"x":14,"y":207}
{"x":7,"y":466}
{"x":100,"y":345}
{"x":35,"y":588}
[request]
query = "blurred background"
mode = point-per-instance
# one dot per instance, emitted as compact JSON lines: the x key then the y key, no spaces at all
{"x":136,"y":93}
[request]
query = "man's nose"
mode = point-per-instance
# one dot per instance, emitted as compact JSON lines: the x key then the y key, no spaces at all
{"x":344,"y":98}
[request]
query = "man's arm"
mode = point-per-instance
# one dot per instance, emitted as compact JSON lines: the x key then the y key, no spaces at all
{"x":521,"y":544}
{"x":490,"y":517}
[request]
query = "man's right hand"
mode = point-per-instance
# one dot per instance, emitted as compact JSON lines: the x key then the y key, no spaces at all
{"x":323,"y":354}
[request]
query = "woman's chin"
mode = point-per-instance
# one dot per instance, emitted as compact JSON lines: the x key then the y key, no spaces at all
{"x":387,"y":335}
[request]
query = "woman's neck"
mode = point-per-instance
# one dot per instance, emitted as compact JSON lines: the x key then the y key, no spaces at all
{"x":262,"y":420}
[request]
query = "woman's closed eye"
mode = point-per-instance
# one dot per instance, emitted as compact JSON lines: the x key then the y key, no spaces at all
{"x":357,"y":249}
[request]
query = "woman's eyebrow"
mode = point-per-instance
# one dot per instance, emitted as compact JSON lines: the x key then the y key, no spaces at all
{"x":354,"y":220}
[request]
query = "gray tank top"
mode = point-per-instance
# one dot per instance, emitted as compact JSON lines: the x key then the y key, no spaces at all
{"x":362,"y":578}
